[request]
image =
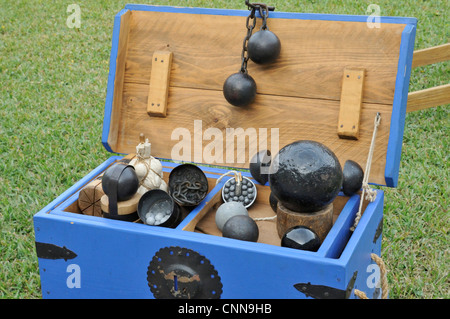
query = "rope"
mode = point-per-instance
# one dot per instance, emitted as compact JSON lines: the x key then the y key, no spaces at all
{"x":383,"y":277}
{"x":368,"y":193}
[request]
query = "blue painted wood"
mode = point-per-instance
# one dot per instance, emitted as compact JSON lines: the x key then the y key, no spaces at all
{"x":395,"y":142}
{"x":111,"y":77}
{"x":274,"y":14}
{"x":339,"y":234}
{"x":114,"y":260}
{"x":357,"y":253}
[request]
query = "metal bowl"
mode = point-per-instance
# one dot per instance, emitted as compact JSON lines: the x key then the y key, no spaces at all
{"x":188,"y":185}
{"x":157,"y":208}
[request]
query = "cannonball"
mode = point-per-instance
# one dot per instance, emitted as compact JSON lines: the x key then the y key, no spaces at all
{"x":259,"y":166}
{"x":305,"y":176}
{"x":228,"y":210}
{"x":239,"y":89}
{"x":241,"y":227}
{"x":353,"y":177}
{"x":123,"y":178}
{"x":301,"y":237}
{"x":264,"y":47}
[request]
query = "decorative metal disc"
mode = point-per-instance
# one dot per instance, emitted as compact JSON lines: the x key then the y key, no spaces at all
{"x":246,"y":196}
{"x":182,"y":273}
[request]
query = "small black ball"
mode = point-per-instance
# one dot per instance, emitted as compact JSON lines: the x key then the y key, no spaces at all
{"x":301,"y":237}
{"x":273,"y":201}
{"x":353,"y":178}
{"x":259,"y":166}
{"x":239,"y":89}
{"x":241,"y":227}
{"x":264,"y":47}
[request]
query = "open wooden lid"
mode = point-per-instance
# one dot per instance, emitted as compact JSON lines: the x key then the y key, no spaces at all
{"x":299,"y":97}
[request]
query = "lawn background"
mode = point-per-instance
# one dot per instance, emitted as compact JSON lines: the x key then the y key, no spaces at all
{"x":52,"y":93}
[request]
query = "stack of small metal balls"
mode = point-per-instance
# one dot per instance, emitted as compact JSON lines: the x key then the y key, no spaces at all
{"x":247,"y":195}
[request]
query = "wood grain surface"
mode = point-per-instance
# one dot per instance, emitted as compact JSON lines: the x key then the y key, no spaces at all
{"x":298,"y":95}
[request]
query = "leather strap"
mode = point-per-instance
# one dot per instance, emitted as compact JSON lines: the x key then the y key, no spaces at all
{"x":115,"y":176}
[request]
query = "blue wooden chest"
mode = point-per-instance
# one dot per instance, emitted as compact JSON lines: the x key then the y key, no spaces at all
{"x":83,"y":256}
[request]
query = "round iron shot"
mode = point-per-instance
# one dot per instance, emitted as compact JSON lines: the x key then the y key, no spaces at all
{"x":188,"y":185}
{"x":246,"y":194}
{"x":157,"y":208}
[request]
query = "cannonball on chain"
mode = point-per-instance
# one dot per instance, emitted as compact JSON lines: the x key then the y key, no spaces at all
{"x":239,"y":89}
{"x":264,"y":47}
{"x":353,"y":177}
{"x":247,"y":194}
{"x":301,"y":237}
{"x":305,"y":176}
{"x":228,"y":210}
{"x":241,"y":227}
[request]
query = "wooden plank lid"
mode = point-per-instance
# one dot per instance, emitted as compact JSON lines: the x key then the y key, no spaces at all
{"x":298,"y":96}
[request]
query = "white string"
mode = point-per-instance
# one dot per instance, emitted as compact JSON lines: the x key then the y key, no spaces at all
{"x":367,"y":192}
{"x":266,"y":218}
{"x":226,"y":174}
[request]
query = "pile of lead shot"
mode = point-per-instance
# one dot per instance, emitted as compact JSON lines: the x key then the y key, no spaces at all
{"x":159,"y":218}
{"x":163,"y":213}
{"x":248,"y":191}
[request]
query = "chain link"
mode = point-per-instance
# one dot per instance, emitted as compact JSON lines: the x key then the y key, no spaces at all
{"x":250,"y":27}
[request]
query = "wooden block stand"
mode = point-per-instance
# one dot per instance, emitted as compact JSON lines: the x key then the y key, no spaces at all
{"x":320,"y":221}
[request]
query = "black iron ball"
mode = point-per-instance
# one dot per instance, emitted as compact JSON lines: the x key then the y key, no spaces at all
{"x":259,"y":166}
{"x":241,"y":227}
{"x":264,"y":47}
{"x":301,"y":237}
{"x":239,"y":89}
{"x":305,"y":176}
{"x":123,"y":179}
{"x":353,"y":177}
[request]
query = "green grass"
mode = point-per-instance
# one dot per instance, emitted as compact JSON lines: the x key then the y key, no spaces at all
{"x":52,"y":92}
